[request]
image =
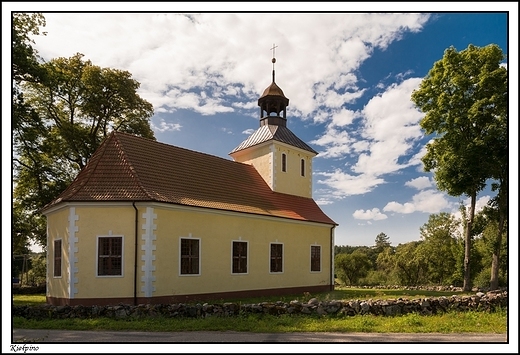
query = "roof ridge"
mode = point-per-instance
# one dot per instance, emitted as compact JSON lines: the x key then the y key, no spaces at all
{"x":178,"y":147}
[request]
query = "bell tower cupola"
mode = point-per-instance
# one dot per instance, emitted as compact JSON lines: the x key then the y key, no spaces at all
{"x":273,"y":103}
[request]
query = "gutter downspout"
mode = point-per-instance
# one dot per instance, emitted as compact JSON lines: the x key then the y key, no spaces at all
{"x":332,"y":280}
{"x":135,"y":253}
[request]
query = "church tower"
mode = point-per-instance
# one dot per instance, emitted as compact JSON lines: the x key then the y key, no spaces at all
{"x":281,"y":158}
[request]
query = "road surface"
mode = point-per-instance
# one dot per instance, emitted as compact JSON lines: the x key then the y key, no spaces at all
{"x":43,"y":336}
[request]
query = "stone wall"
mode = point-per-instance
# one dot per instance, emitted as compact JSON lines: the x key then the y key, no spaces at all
{"x":482,"y":302}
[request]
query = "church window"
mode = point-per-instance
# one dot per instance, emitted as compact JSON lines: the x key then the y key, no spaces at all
{"x":315,"y":258}
{"x":284,"y":162}
{"x":57,"y":258}
{"x":239,"y":257}
{"x":190,"y":256}
{"x":302,"y":172}
{"x":276,"y":257}
{"x":110,"y":256}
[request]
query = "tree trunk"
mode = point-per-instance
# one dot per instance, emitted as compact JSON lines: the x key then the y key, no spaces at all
{"x":467,"y":242}
{"x":496,"y":256}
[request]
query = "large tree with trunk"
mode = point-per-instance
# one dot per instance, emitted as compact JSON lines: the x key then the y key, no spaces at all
{"x":62,"y":111}
{"x":464,"y":98}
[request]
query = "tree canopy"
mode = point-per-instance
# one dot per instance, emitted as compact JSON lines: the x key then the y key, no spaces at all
{"x":62,"y":111}
{"x":464,"y":98}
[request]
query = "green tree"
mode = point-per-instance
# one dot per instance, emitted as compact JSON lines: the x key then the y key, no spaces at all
{"x":492,"y":246}
{"x":352,"y":267}
{"x":437,"y":250}
{"x":37,"y":274}
{"x":343,"y":249}
{"x":409,"y":265}
{"x":462,"y":97}
{"x":24,"y":120}
{"x":382,"y":241}
{"x":24,"y":57}
{"x":73,"y":109}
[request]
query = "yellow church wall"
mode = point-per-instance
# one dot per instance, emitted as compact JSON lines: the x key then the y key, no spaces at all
{"x":163,"y":225}
{"x":216,"y":233}
{"x":57,"y":228}
{"x":291,"y":181}
{"x":261,"y":158}
{"x":267,"y":160}
{"x":109,"y":221}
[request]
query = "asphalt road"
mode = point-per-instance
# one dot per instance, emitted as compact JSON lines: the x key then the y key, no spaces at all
{"x":43,"y":336}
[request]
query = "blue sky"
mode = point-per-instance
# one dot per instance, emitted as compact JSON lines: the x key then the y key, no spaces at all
{"x":348,"y":76}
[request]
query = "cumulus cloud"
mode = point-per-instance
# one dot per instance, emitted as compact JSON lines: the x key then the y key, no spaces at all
{"x":163,"y":126}
{"x":190,"y":62}
{"x":248,"y":131}
{"x":420,"y":183}
{"x":373,"y":214}
{"x":173,"y":53}
{"x":390,"y":131}
{"x":344,"y":184}
{"x":428,"y":201}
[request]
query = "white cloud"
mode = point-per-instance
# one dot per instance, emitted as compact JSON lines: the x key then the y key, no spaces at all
{"x":337,"y":143}
{"x":373,"y":214}
{"x":390,"y":133}
{"x":428,"y":201}
{"x":163,"y":126}
{"x":344,"y":184}
{"x":420,"y":183}
{"x":174,"y":51}
{"x":249,"y":131}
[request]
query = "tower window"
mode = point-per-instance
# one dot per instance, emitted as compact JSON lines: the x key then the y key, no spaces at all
{"x":303,"y":167}
{"x":284,"y":162}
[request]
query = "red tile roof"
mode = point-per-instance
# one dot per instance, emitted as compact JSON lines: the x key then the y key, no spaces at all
{"x":131,"y":168}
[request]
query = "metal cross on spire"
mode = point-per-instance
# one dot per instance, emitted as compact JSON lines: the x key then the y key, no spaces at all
{"x":273,"y":49}
{"x":274,"y":59}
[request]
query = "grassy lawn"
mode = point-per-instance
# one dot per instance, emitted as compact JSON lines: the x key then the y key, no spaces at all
{"x":452,"y":322}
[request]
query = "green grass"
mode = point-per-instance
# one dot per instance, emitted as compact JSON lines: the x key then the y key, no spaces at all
{"x":33,"y":300}
{"x":452,"y":322}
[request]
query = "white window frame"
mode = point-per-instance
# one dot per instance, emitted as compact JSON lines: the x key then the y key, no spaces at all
{"x":180,"y":256}
{"x":247,"y":257}
{"x":310,"y":258}
{"x":54,"y":259}
{"x":122,"y":255}
{"x":283,"y":259}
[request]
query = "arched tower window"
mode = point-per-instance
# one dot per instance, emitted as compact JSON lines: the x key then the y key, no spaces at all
{"x":284,"y":162}
{"x":302,"y":172}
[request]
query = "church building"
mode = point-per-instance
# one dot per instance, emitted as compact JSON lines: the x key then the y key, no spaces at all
{"x":148,"y":222}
